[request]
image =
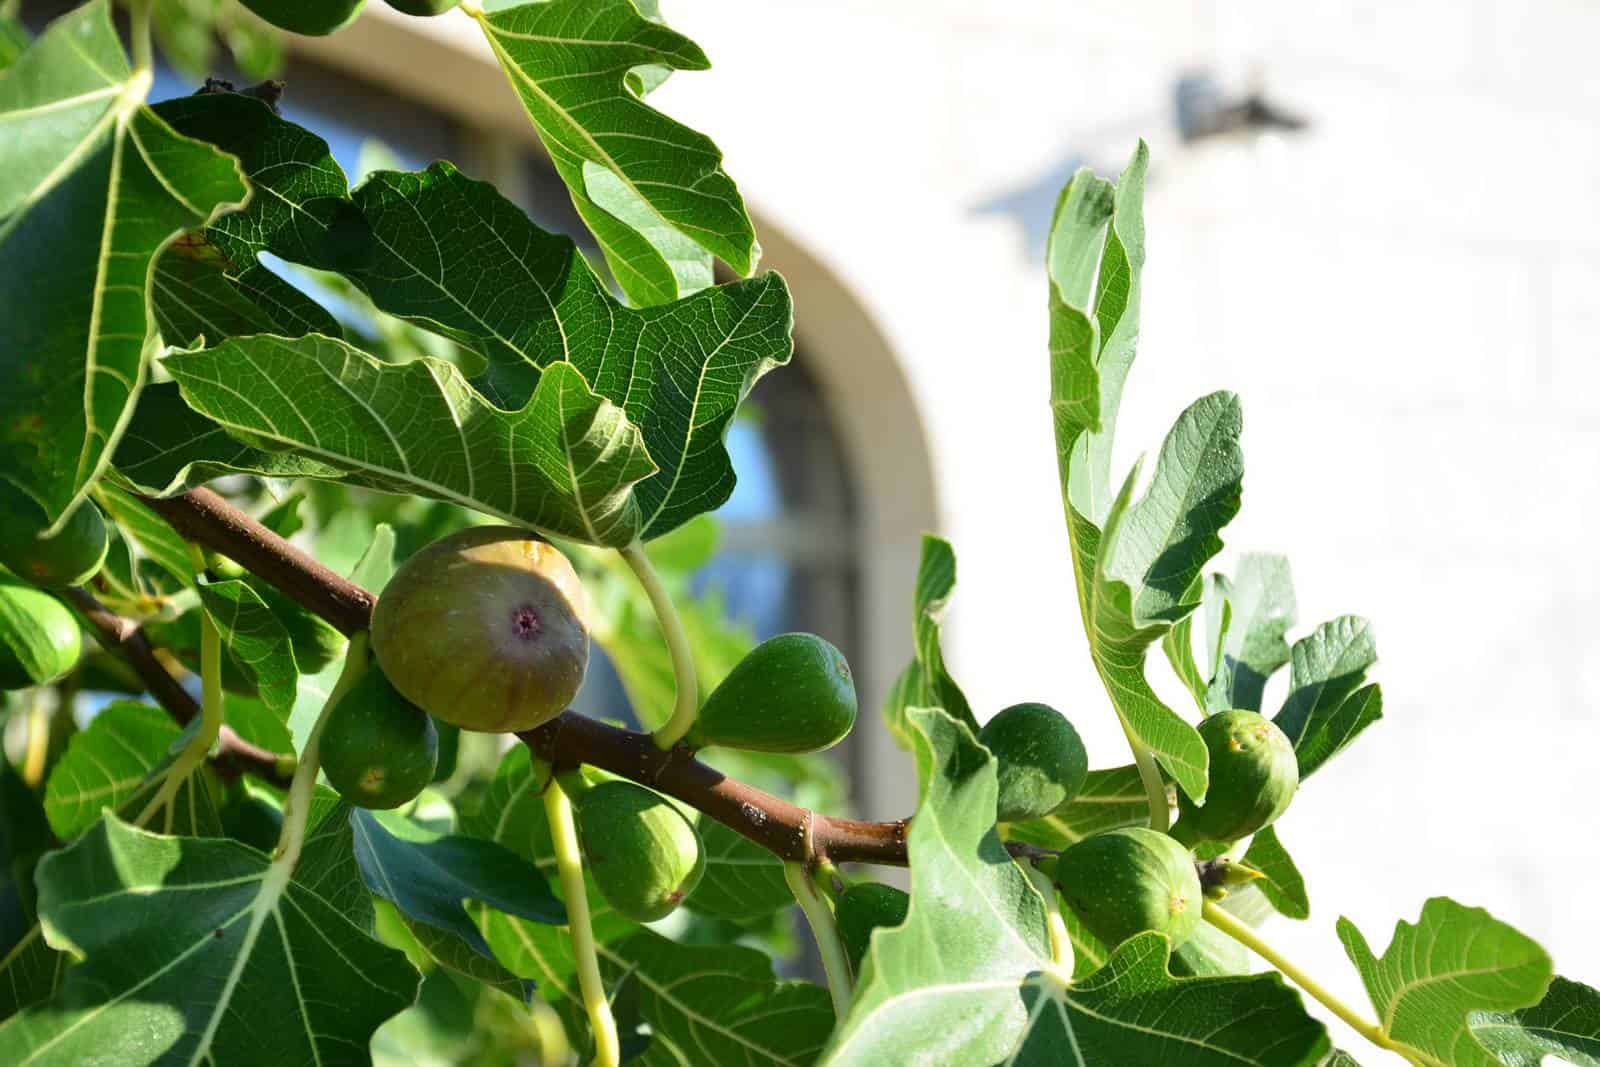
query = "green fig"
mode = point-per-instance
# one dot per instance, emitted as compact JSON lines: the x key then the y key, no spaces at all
{"x":644,"y":854}
{"x":793,"y":693}
{"x":39,"y":639}
{"x":378,"y":749}
{"x":1124,"y":882}
{"x":1254,"y":774}
{"x":315,"y":18}
{"x":71,"y":557}
{"x":486,"y":629}
{"x":423,"y":8}
{"x":1041,"y":758}
{"x":861,"y":909}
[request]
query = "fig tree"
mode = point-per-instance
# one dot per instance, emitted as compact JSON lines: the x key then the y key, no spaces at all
{"x":1254,"y":773}
{"x":378,"y":749}
{"x":793,"y":693}
{"x":643,"y":852}
{"x":314,"y":18}
{"x":1124,"y":882}
{"x":486,"y":629}
{"x":1042,"y":761}
{"x":861,"y":909}
{"x":423,"y":8}
{"x":39,"y":638}
{"x":71,"y":557}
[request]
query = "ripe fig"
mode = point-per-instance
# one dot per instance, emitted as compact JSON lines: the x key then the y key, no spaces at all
{"x":486,"y":629}
{"x":39,"y":638}
{"x":1254,"y":774}
{"x":1124,"y":882}
{"x":793,"y":693}
{"x":71,"y":557}
{"x":1042,"y":761}
{"x":423,"y":8}
{"x":378,"y":749}
{"x":643,"y":852}
{"x":861,"y":909}
{"x":315,"y":18}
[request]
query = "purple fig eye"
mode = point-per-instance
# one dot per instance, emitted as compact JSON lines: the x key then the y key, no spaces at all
{"x":525,"y":622}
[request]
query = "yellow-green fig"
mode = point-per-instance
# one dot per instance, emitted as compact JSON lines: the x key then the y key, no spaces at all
{"x":1254,"y":775}
{"x":486,"y":629}
{"x":1041,"y":761}
{"x":791,"y":693}
{"x":1125,"y":882}
{"x":378,"y":749}
{"x":70,"y":557}
{"x":39,"y":639}
{"x":644,"y":854}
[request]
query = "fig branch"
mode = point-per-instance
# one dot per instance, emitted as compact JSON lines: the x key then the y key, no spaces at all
{"x":568,"y":740}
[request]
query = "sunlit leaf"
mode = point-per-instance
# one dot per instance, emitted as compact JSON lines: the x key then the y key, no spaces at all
{"x":1565,"y":1024}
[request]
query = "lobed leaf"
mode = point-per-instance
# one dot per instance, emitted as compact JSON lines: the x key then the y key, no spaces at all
{"x":255,"y":639}
{"x":743,"y":882}
{"x":1261,"y":608}
{"x":1565,"y":1024}
{"x":1281,"y":882}
{"x":1454,"y":962}
{"x":94,"y":186}
{"x":1325,"y":708}
{"x":926,"y":682}
{"x":107,"y":765}
{"x":566,"y":463}
{"x":652,"y":191}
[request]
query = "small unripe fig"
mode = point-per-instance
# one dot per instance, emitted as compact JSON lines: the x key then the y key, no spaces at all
{"x":486,"y":629}
{"x":71,"y":557}
{"x":39,"y":638}
{"x":1124,"y":882}
{"x":861,"y":909}
{"x":313,"y":17}
{"x":378,"y":749}
{"x":1042,"y":764}
{"x":643,"y":852}
{"x":793,"y":693}
{"x":1254,"y":773}
{"x":423,"y":8}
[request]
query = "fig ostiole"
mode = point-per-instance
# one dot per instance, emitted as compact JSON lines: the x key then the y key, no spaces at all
{"x":1124,"y":882}
{"x":69,"y":557}
{"x":486,"y":629}
{"x":861,"y":909}
{"x":378,"y":749}
{"x":1253,"y":777}
{"x":39,"y":639}
{"x":1041,"y":762}
{"x":644,"y":854}
{"x":793,"y":693}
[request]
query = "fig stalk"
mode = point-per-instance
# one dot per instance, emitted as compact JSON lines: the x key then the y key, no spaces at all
{"x":819,"y":916}
{"x":1241,"y":932}
{"x":686,"y":698}
{"x":1060,"y":940}
{"x":569,"y":864}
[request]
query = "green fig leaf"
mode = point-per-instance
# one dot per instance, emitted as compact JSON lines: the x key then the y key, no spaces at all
{"x":566,"y":463}
{"x":1261,"y":609}
{"x":1454,"y":962}
{"x":1565,"y":1024}
{"x":30,"y":969}
{"x":107,"y":765}
{"x":925,"y":682}
{"x":1281,"y":882}
{"x":95,"y":185}
{"x":743,"y":882}
{"x":255,"y":639}
{"x":1132,"y":1010}
{"x":1111,"y":799}
{"x":277,"y":950}
{"x":431,"y":877}
{"x":148,"y":533}
{"x":1327,"y":707}
{"x":652,"y":191}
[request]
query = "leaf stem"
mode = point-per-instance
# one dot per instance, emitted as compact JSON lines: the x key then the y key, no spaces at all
{"x":198,"y":749}
{"x":1060,"y":940}
{"x":1224,"y":920}
{"x":297,"y":808}
{"x":140,"y":10}
{"x":1155,"y":790}
{"x":686,"y":700}
{"x":835,"y":962}
{"x":569,"y":864}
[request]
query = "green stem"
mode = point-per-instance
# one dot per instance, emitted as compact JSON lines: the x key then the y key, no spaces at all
{"x":1155,"y":790}
{"x":1060,"y":940}
{"x":686,"y":700}
{"x":140,"y":10}
{"x":569,"y":864}
{"x":1224,"y":920}
{"x":297,"y":808}
{"x":835,"y":962}
{"x":195,"y":752}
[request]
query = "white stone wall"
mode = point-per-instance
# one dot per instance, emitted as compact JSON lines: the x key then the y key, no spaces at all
{"x":1405,"y":296}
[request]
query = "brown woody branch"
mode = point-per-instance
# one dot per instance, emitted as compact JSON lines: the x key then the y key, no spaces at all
{"x":771,"y":822}
{"x":122,"y":637}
